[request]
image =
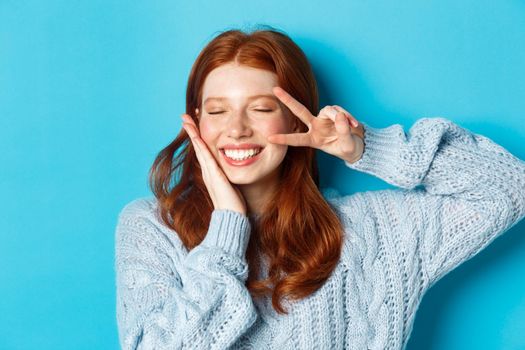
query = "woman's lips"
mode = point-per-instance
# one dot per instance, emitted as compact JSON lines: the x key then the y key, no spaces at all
{"x":244,"y":162}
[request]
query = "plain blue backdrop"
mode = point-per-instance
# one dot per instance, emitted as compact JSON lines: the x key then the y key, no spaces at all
{"x":91,"y":90}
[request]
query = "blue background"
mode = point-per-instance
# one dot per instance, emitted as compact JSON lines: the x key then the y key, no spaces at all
{"x":90,"y":91}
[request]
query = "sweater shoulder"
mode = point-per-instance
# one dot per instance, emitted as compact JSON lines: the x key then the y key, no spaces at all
{"x":353,"y":207}
{"x":361,"y":203}
{"x":139,"y":207}
{"x":143,"y":214}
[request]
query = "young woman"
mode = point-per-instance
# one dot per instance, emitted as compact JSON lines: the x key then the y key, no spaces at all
{"x":239,"y":248}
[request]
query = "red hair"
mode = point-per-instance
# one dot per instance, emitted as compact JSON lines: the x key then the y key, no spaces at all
{"x":301,"y":237}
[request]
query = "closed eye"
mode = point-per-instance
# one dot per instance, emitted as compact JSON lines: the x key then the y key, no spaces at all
{"x":257,"y":110}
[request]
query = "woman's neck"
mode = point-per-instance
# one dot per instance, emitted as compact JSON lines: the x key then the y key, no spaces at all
{"x":256,"y":196}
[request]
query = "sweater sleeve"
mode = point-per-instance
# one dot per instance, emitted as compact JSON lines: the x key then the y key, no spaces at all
{"x":458,"y":190}
{"x":201,"y":304}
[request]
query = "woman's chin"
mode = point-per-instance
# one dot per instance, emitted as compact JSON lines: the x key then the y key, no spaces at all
{"x":241,"y":181}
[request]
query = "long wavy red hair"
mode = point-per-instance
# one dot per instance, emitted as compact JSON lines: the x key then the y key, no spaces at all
{"x":301,"y":237}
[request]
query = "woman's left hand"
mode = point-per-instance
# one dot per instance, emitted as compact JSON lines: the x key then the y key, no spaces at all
{"x":334,"y":130}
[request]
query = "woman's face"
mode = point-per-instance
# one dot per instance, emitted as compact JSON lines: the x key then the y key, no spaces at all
{"x":239,"y":110}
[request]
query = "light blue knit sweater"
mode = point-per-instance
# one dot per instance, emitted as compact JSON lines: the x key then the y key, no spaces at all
{"x":456,"y":192}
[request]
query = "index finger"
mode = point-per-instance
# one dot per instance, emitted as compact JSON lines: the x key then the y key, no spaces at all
{"x":295,"y":106}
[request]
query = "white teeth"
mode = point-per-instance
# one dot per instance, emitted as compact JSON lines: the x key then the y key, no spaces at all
{"x":241,"y":154}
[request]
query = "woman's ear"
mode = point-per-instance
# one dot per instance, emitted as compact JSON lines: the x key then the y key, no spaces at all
{"x":296,"y":125}
{"x":294,"y":122}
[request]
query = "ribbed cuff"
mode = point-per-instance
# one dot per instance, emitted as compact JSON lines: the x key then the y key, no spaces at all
{"x":228,"y":230}
{"x":381,"y":145}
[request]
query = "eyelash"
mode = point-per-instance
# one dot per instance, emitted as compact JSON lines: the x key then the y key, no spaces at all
{"x":257,"y":110}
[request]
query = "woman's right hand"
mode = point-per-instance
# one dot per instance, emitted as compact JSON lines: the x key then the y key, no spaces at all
{"x":223,"y":194}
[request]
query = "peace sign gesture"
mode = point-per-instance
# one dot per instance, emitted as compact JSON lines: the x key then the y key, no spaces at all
{"x":334,"y":130}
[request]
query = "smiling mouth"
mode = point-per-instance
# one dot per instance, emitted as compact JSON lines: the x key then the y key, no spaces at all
{"x":240,"y":155}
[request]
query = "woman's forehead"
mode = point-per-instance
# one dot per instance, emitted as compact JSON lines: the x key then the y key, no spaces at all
{"x":235,"y":81}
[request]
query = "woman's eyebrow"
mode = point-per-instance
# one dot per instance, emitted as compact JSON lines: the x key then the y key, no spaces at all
{"x":254,"y":97}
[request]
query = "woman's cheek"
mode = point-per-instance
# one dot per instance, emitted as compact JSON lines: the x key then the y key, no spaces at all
{"x":277,"y":126}
{"x":207,"y":133}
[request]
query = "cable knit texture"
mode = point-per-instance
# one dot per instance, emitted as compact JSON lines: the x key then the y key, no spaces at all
{"x":456,"y":191}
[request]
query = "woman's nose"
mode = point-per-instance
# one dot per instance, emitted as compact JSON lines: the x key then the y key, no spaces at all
{"x":238,"y":125}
